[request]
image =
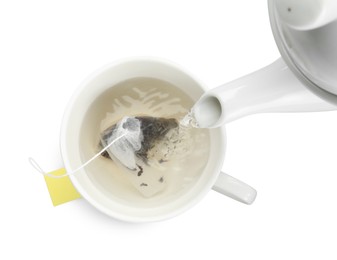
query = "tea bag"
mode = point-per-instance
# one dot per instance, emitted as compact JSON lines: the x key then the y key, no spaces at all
{"x":146,"y":145}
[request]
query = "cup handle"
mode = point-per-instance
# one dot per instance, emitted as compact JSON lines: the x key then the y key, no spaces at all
{"x":235,"y":189}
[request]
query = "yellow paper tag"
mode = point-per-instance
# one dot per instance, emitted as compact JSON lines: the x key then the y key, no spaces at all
{"x":61,"y":190}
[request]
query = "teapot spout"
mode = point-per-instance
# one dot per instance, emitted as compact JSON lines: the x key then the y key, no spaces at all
{"x":271,"y":89}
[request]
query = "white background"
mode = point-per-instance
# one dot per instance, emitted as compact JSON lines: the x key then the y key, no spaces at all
{"x":48,"y":47}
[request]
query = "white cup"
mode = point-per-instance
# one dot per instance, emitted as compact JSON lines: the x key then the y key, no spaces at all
{"x":75,"y":136}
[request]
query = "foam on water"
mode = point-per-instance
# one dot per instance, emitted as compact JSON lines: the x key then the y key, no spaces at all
{"x":189,"y":120}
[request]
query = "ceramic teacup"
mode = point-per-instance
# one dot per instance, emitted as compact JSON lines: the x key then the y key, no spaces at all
{"x":79,"y":139}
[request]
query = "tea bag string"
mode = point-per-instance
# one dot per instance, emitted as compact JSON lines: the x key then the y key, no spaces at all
{"x":40,"y":170}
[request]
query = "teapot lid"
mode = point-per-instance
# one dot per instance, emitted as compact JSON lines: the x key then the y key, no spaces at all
{"x":306,"y":36}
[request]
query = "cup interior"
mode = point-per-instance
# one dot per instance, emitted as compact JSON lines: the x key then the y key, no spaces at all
{"x":99,"y":183}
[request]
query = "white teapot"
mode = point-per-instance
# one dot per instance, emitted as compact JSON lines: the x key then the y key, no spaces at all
{"x":303,"y":80}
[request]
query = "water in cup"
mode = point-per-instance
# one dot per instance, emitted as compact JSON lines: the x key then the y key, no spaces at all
{"x":152,"y":111}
